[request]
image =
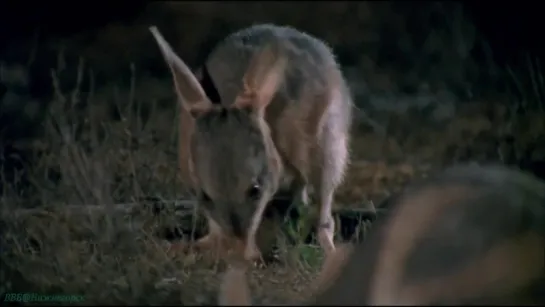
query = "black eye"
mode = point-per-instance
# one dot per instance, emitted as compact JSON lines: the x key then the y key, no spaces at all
{"x":254,"y":192}
{"x":204,"y":197}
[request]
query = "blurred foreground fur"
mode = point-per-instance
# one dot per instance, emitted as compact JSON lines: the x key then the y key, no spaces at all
{"x":284,"y":112}
{"x":469,"y":235}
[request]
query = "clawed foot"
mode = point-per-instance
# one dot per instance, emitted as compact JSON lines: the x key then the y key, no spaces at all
{"x":214,"y":248}
{"x":325,"y":238}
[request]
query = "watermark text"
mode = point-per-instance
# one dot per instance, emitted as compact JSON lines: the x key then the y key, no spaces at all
{"x":29,"y":297}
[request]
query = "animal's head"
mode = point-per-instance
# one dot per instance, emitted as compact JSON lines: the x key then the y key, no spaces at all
{"x":234,"y":160}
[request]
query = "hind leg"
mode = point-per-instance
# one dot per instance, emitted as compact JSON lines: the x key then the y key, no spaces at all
{"x":326,"y":223}
{"x":326,"y":177}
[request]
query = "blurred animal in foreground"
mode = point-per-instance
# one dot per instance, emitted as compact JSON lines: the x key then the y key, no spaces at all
{"x":283,"y":120}
{"x":470,"y":235}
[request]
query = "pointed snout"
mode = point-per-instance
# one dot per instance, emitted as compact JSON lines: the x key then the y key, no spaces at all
{"x":234,"y":218}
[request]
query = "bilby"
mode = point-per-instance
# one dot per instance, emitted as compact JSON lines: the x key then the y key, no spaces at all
{"x":284,"y":116}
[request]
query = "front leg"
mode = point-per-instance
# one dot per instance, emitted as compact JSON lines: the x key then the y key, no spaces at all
{"x":251,"y":251}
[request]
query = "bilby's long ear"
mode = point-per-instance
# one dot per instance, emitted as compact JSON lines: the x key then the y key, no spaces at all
{"x":190,"y":92}
{"x":264,"y":75}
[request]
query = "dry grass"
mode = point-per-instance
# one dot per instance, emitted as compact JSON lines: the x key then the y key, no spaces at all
{"x":107,"y":261}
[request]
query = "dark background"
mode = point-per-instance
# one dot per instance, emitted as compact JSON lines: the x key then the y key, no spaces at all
{"x":387,"y":38}
{"x":510,"y":29}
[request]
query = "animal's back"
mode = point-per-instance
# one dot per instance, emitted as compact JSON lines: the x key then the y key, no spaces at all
{"x":310,"y":60}
{"x":472,"y":235}
{"x":311,"y":113}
